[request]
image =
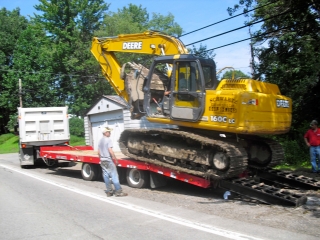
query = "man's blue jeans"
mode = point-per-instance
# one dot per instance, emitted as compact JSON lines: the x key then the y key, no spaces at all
{"x":109,"y":170}
{"x":314,"y":155}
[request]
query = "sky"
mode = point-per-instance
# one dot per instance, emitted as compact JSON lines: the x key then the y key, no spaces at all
{"x":190,"y":15}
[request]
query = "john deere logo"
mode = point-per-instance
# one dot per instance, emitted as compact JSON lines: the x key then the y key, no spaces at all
{"x":132,"y":45}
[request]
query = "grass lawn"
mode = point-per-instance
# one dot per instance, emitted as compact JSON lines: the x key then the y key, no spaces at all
{"x":9,"y":143}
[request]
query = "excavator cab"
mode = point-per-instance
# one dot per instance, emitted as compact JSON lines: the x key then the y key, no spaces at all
{"x":185,"y":78}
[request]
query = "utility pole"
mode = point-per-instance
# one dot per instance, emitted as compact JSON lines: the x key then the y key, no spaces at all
{"x":20,"y":92}
{"x":252,"y":55}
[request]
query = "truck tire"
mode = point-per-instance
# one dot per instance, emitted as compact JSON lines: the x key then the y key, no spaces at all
{"x":25,"y":166}
{"x":90,"y":172}
{"x":137,"y":178}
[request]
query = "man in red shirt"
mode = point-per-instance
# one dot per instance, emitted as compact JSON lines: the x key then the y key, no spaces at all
{"x":312,"y":139}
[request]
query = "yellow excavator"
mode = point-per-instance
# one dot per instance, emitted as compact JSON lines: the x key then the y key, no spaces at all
{"x":217,"y":126}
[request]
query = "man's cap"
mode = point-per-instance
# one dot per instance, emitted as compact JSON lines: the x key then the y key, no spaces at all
{"x":314,"y":122}
{"x":106,"y":129}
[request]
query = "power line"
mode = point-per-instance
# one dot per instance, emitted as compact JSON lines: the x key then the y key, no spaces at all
{"x":260,"y":35}
{"x":235,"y":29}
{"x":227,"y":19}
{"x":53,"y":74}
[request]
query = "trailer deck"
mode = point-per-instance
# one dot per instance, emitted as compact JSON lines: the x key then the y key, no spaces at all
{"x":263,"y":186}
{"x":86,"y":154}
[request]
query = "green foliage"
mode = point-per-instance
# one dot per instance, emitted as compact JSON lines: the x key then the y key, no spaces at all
{"x":76,"y":126}
{"x":234,"y":74}
{"x":70,"y":26}
{"x":5,"y":137}
{"x":135,"y":19}
{"x":77,"y":141}
{"x":9,"y":143}
{"x":11,"y":26}
{"x":295,"y":153}
{"x":202,"y":52}
{"x":165,"y":24}
{"x":12,"y":122}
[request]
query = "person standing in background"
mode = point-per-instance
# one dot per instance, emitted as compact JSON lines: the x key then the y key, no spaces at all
{"x":109,"y":169}
{"x":312,"y":139}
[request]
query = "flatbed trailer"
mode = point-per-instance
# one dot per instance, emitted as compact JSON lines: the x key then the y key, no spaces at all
{"x":139,"y":174}
{"x":135,"y":171}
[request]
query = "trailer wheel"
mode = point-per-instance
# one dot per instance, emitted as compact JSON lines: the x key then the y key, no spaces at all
{"x":137,"y":178}
{"x":90,"y":172}
{"x":25,"y":166}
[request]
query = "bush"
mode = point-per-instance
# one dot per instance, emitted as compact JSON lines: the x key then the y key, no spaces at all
{"x":76,"y":126}
{"x":77,"y":141}
{"x":5,"y":137}
{"x":13,"y":121}
{"x":9,"y":143}
{"x":295,"y":152}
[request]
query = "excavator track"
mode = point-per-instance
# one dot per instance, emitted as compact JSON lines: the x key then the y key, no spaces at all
{"x":184,"y":151}
{"x":263,"y":152}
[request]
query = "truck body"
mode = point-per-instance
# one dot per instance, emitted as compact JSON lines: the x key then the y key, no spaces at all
{"x":42,"y":126}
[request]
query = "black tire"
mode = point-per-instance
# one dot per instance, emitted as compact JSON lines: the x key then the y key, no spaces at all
{"x":90,"y":172}
{"x":137,"y":178}
{"x":24,"y":166}
{"x":52,"y":163}
{"x":122,"y":175}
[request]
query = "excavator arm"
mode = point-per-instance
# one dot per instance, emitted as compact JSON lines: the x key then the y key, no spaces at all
{"x":149,"y":42}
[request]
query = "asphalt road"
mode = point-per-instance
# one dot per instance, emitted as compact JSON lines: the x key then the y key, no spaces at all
{"x":41,"y":203}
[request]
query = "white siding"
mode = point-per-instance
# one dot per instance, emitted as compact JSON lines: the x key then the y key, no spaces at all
{"x":104,"y":105}
{"x":87,"y":131}
{"x":113,"y":119}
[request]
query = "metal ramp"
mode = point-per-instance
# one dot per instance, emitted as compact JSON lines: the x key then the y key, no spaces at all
{"x":289,"y":179}
{"x":265,"y":193}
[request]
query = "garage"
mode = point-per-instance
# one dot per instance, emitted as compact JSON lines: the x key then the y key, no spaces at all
{"x":112,"y":111}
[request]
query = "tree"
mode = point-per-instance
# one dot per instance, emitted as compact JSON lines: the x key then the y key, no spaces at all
{"x":135,"y":19}
{"x":165,"y":24}
{"x":202,"y":51}
{"x":70,"y":26}
{"x":235,"y":74}
{"x":9,"y":36}
{"x":126,"y":20}
{"x":76,"y":126}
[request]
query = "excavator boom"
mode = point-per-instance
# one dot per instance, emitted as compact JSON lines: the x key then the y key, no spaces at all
{"x":149,"y":42}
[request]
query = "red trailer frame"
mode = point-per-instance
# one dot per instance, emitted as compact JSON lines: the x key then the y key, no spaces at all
{"x":89,"y":158}
{"x":140,"y":174}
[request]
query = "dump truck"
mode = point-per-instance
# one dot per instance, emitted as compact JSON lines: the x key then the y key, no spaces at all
{"x":41,"y":126}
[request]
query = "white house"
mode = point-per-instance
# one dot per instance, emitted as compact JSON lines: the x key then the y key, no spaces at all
{"x":112,"y":111}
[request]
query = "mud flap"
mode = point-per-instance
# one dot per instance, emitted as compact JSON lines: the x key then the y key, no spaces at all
{"x":26,"y":156}
{"x":157,"y":180}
